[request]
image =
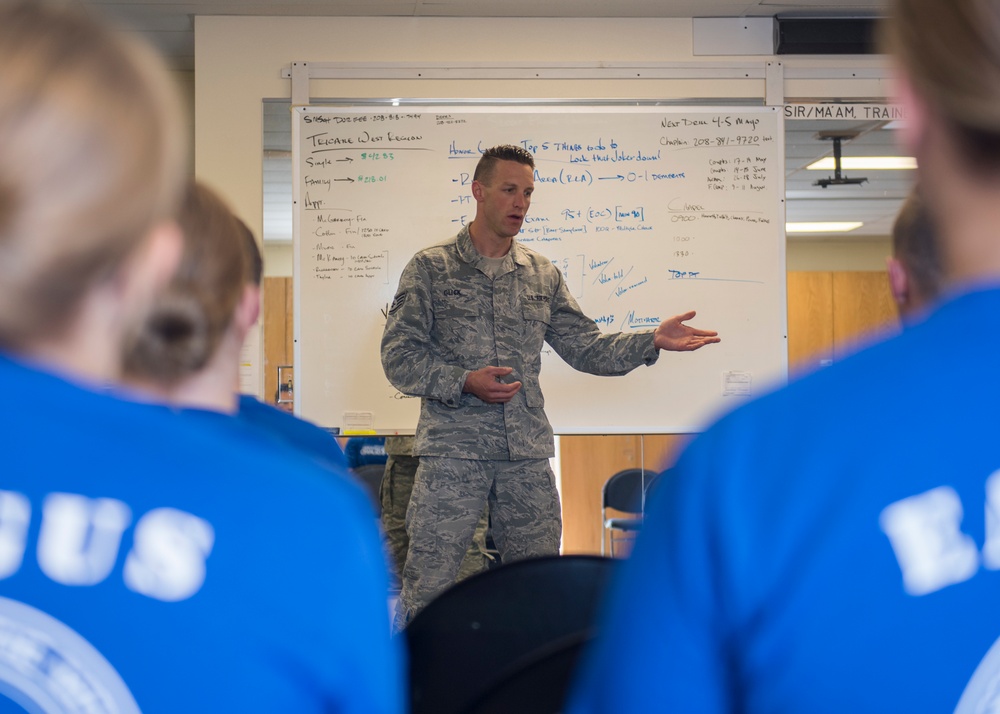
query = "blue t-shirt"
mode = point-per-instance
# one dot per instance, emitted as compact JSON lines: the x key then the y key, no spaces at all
{"x":295,"y":432}
{"x":365,"y":450}
{"x":162,"y":563}
{"x":833,"y":547}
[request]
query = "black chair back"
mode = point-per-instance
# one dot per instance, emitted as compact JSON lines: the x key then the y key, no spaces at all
{"x":506,"y":639}
{"x":370,"y":476}
{"x":623,"y":490}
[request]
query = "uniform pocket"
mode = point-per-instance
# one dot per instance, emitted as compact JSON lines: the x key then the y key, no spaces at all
{"x":537,"y":312}
{"x":536,"y":320}
{"x":456,"y":312}
{"x":533,"y":394}
{"x":457,"y":331}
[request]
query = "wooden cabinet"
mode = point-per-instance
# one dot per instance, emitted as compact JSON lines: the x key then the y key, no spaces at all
{"x":278,"y":331}
{"x":586,"y":462}
{"x":810,"y":320}
{"x":832,"y":314}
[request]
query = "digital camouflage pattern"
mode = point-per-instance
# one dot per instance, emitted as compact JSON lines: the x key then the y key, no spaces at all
{"x":447,"y":500}
{"x":449,"y":318}
{"x":394,"y":494}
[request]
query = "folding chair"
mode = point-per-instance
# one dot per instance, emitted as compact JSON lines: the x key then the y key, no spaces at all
{"x":624,"y":492}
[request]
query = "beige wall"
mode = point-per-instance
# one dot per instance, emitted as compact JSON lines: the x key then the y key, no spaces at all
{"x":278,"y":260}
{"x":850,"y":254}
{"x":238,"y":62}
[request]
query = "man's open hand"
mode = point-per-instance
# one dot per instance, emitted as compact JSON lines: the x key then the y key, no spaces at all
{"x":675,"y":336}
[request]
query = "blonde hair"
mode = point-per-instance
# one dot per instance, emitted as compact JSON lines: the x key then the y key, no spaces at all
{"x":91,"y":159}
{"x":951,"y":53}
{"x":188,"y":321}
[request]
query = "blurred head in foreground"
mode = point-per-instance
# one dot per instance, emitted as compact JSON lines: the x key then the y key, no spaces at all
{"x":187,"y":350}
{"x":91,"y":169}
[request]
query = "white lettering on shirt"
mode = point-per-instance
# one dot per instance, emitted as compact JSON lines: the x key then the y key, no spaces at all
{"x":167,"y":561}
{"x":15,"y":514}
{"x":79,"y":539}
{"x":991,"y":547}
{"x":925,"y":534}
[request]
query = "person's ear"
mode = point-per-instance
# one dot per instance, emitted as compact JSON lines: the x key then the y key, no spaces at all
{"x":248,"y":309}
{"x":899,"y":283}
{"x":478,"y":191}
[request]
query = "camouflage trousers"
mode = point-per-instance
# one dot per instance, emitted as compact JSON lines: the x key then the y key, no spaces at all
{"x":394,"y":495}
{"x":448,"y":497}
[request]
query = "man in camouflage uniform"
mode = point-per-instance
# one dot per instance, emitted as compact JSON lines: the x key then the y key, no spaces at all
{"x":465,"y":333}
{"x":394,"y":495}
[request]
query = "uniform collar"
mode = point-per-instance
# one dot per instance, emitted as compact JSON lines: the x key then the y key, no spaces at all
{"x":468,"y":253}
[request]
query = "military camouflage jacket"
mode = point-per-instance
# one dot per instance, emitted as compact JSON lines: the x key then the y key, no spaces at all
{"x":449,"y":318}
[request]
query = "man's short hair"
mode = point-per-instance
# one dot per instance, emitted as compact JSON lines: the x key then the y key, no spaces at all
{"x":504,"y":152}
{"x":915,"y":246}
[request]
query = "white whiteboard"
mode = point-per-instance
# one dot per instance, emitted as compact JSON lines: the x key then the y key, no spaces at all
{"x":648,"y":211}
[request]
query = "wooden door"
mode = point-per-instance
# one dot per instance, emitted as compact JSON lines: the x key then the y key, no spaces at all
{"x":278,"y":332}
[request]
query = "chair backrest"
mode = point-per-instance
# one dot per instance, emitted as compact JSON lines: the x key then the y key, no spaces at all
{"x":624,"y":490}
{"x":537,"y":685}
{"x":370,"y":476}
{"x":651,"y":481}
{"x":484,"y":637}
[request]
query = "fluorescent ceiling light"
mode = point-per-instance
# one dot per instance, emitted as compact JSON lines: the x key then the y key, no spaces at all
{"x":866,"y":163}
{"x":828,"y":227}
